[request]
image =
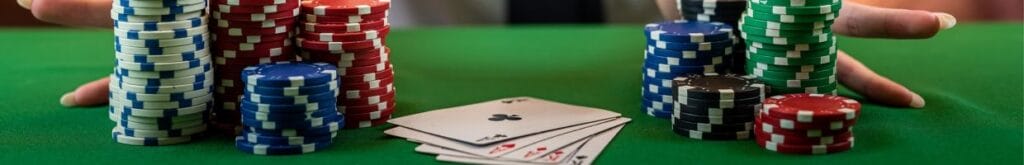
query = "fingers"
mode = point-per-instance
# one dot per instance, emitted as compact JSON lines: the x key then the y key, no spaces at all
{"x":867,"y":21}
{"x":668,"y":9}
{"x":861,"y":79}
{"x":90,"y":94}
{"x":92,"y":13}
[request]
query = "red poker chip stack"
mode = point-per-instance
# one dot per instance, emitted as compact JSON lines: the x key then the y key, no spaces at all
{"x":247,"y":33}
{"x":806,"y":123}
{"x":350,"y":34}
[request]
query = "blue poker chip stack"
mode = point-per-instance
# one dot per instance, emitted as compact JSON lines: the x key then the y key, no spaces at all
{"x":680,"y":48}
{"x":289,"y":108}
{"x":724,"y":11}
{"x":160,"y":90}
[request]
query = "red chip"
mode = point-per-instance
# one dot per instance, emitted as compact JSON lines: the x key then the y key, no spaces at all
{"x":220,"y":37}
{"x":284,"y":29}
{"x":340,"y":46}
{"x":366,"y":108}
{"x":346,"y":7}
{"x":810,"y":108}
{"x":359,"y":70}
{"x":255,"y":17}
{"x":250,"y":2}
{"x":352,"y":124}
{"x":343,"y":27}
{"x":793,"y":125}
{"x":253,"y":46}
{"x":370,"y":115}
{"x":347,"y":37}
{"x":356,"y":94}
{"x":250,"y":61}
{"x":257,"y":24}
{"x":367,"y":85}
{"x":796,"y":140}
{"x":257,"y":9}
{"x":371,"y":60}
{"x":806,"y":149}
{"x":268,"y":52}
{"x":344,"y":19}
{"x":367,"y":100}
{"x":769,"y":128}
{"x":349,"y":56}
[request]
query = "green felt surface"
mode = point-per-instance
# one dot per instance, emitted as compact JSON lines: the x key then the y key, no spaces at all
{"x":971,"y":77}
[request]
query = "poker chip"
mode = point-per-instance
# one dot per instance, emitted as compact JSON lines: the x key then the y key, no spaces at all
{"x":791,"y":47}
{"x":695,"y":134}
{"x":712,"y":86}
{"x":678,"y":49}
{"x":806,"y":123}
{"x":161,"y":90}
{"x":281,"y":97}
{"x":715,"y":106}
{"x":350,"y":35}
{"x":682,"y":31}
{"x":812,"y":107}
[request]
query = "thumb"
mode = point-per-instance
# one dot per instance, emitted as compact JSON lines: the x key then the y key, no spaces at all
{"x":89,"y":13}
{"x":89,"y":94}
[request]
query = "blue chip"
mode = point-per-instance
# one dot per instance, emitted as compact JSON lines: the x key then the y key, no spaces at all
{"x":702,"y":46}
{"x":289,"y":74}
{"x":672,"y":61}
{"x":656,"y":113}
{"x":658,"y":105}
{"x":678,"y":70}
{"x":688,"y":31}
{"x":291,"y":91}
{"x":264,"y":116}
{"x":655,"y":89}
{"x":275,"y":108}
{"x":299,"y":124}
{"x":291,"y":100}
{"x":321,"y":130}
{"x":262,"y":149}
{"x":283,"y":141}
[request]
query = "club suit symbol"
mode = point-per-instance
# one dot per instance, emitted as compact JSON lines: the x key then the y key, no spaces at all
{"x":502,"y":117}
{"x":510,"y":101}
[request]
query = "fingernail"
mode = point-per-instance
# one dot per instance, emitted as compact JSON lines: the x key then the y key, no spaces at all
{"x":917,"y":101}
{"x":68,"y":100}
{"x":27,"y":4}
{"x":946,"y":20}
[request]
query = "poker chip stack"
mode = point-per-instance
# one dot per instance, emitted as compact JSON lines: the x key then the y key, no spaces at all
{"x":790,"y":44}
{"x":716,"y":107}
{"x":807,"y":123}
{"x":350,"y":34}
{"x":160,"y":91}
{"x":289,"y":108}
{"x":724,"y":11}
{"x":247,"y":33}
{"x":679,"y":48}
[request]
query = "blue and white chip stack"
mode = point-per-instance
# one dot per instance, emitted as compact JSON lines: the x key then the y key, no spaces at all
{"x":289,"y":108}
{"x":160,"y":90}
{"x":680,"y":48}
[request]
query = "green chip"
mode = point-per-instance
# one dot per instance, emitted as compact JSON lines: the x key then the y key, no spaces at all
{"x":783,"y":33}
{"x":800,"y":68}
{"x":793,"y":47}
{"x":791,"y":18}
{"x":824,"y":89}
{"x":791,"y":53}
{"x":783,"y":61}
{"x":791,"y":75}
{"x":751,"y":22}
{"x":794,"y":2}
{"x":787,"y":83}
{"x":787,"y":40}
{"x":797,"y":10}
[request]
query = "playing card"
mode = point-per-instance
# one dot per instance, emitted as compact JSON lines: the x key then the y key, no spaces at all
{"x":585,"y":155}
{"x":593,"y":147}
{"x":536,"y":150}
{"x":553,"y":158}
{"x":496,"y":149}
{"x":502,"y":119}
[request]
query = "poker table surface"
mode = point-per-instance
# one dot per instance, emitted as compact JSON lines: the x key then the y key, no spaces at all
{"x":971,"y":77}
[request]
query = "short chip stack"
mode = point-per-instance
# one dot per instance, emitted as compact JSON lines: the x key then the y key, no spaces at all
{"x":679,"y":48}
{"x":790,"y":44}
{"x":247,"y":33}
{"x":807,"y":123}
{"x":289,"y":108}
{"x":160,"y":91}
{"x":350,"y":34}
{"x":716,"y":107}
{"x":724,"y":11}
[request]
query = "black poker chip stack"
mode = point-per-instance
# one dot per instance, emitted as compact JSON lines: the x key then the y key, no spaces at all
{"x":716,"y":107}
{"x":724,"y":11}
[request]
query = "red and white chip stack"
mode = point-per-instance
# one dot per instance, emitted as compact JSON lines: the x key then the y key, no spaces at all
{"x":247,"y":33}
{"x":350,"y":34}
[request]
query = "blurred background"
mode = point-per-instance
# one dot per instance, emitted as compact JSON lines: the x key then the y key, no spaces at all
{"x":414,"y":13}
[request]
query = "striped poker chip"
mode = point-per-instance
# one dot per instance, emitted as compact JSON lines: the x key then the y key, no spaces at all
{"x":349,"y":7}
{"x":712,"y":86}
{"x":683,"y":31}
{"x":289,"y":74}
{"x":809,"y":108}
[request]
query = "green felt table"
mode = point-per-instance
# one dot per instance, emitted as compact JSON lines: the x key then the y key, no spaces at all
{"x":971,"y":77}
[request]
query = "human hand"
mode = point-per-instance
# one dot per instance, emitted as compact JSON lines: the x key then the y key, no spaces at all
{"x":78,"y":13}
{"x":857,"y":20}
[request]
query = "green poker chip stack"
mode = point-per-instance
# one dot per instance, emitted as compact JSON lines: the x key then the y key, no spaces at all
{"x":790,"y":44}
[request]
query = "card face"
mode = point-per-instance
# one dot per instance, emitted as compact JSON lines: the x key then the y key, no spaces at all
{"x":497,"y":149}
{"x":554,"y":158}
{"x":536,"y":150}
{"x":498,"y":120}
{"x":586,"y":153}
{"x":593,"y":147}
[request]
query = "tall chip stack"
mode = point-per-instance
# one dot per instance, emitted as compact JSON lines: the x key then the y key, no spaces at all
{"x":161,"y":88}
{"x":350,"y":34}
{"x":724,"y":11}
{"x":680,"y":48}
{"x":247,"y":33}
{"x":716,"y":107}
{"x":791,"y":47}
{"x":807,"y":123}
{"x":289,"y":108}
